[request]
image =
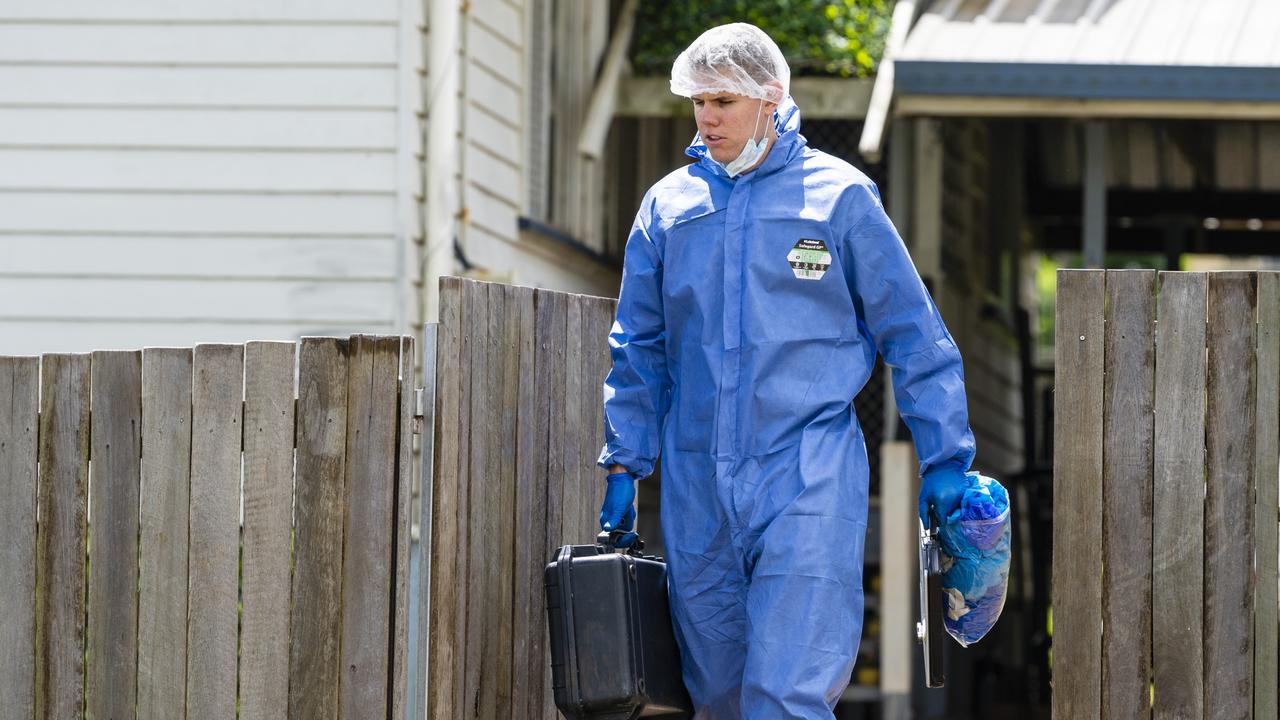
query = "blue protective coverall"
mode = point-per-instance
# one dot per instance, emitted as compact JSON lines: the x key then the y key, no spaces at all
{"x":750,"y":314}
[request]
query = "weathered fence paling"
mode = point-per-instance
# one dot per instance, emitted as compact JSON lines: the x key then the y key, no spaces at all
{"x":116,"y":449}
{"x":268,"y":523}
{"x":1167,"y":408}
{"x":163,"y":539}
{"x":1266,"y":664}
{"x":1178,"y":525}
{"x":1229,"y":495}
{"x":1129,"y":351}
{"x":518,"y":429}
{"x":281,"y":618}
{"x":1266,"y":648}
{"x":214,"y":535}
{"x":19,"y":422}
{"x":1077,"y":496}
{"x":60,"y":535}
{"x":318,"y":507}
{"x":368,"y":542}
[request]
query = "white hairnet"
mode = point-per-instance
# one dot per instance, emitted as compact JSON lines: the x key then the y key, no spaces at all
{"x":737,"y":58}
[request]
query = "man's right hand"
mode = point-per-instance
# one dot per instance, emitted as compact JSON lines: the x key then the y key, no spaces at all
{"x":619,"y":511}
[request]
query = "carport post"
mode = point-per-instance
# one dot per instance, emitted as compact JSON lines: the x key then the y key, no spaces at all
{"x":1094,"y":188}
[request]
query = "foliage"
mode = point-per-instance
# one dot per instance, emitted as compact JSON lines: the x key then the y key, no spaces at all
{"x":842,"y":38}
{"x":1047,"y":286}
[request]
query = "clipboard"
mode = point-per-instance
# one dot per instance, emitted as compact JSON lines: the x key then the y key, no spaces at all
{"x":930,"y":631}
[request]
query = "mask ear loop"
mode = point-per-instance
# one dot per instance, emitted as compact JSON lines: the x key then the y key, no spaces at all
{"x":753,"y":149}
{"x":759,"y":112}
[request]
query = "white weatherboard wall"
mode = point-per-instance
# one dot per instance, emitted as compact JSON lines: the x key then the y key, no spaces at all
{"x":493,"y":44}
{"x":206,"y":170}
{"x":503,"y":123}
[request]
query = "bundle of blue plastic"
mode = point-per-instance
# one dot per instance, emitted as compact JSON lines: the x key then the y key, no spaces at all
{"x":975,"y":559}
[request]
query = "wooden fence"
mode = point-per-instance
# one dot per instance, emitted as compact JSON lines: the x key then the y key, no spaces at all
{"x":1165,"y":495}
{"x":183,"y":536}
{"x":518,"y":418}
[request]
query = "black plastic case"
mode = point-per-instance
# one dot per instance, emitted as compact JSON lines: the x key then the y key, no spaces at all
{"x":613,"y":653}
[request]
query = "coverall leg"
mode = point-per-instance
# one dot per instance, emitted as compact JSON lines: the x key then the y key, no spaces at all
{"x":764,"y":595}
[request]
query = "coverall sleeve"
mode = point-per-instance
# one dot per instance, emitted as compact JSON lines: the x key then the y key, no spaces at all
{"x":637,"y":389}
{"x":895,"y":307}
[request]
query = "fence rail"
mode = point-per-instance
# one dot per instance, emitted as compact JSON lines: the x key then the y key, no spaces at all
{"x":1167,"y":415}
{"x":187,"y":534}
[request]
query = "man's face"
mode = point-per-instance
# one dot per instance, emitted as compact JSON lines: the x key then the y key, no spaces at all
{"x":727,"y":121}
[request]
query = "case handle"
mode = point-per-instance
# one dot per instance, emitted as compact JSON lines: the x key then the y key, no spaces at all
{"x":608,"y":540}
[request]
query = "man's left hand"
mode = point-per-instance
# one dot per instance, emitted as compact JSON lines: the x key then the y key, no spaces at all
{"x":941,"y":489}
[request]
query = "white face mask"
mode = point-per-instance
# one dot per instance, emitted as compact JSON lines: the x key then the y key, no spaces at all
{"x":751,"y":152}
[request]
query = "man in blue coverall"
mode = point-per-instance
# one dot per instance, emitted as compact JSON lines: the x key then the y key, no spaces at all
{"x":758,"y":285}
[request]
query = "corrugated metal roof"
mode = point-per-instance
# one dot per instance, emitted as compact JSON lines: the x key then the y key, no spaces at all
{"x":1238,"y":33}
{"x":1110,"y":50}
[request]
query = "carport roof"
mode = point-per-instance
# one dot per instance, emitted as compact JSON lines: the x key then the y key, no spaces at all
{"x":1092,"y":57}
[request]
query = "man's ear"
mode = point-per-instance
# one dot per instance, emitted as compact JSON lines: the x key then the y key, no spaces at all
{"x":770,"y":105}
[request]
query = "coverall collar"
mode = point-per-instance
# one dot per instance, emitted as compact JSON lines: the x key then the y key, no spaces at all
{"x":788,"y":144}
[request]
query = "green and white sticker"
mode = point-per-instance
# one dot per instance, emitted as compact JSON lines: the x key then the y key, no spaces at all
{"x":809,"y":259}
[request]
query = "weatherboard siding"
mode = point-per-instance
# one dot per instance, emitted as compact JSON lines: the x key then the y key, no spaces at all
{"x":213,"y":170}
{"x":493,"y":127}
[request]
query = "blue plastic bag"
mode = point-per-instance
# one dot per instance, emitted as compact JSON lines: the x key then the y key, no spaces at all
{"x":975,"y":560}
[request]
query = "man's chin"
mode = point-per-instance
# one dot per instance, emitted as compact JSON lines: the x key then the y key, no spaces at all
{"x":720,"y":157}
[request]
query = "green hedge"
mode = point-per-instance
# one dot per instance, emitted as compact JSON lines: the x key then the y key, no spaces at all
{"x":841,"y":38}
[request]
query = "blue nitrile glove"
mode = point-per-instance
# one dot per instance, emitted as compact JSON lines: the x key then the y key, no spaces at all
{"x":619,"y":511}
{"x":942,"y":489}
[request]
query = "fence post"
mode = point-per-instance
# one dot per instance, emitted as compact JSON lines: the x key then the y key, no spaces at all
{"x":899,"y":533}
{"x":401,"y":514}
{"x":444,"y":647}
{"x":419,"y":686}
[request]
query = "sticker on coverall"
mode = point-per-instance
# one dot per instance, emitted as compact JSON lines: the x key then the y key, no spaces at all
{"x":809,"y":259}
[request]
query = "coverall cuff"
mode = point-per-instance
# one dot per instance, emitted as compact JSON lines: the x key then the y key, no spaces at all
{"x":953,"y":465}
{"x":639,"y":468}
